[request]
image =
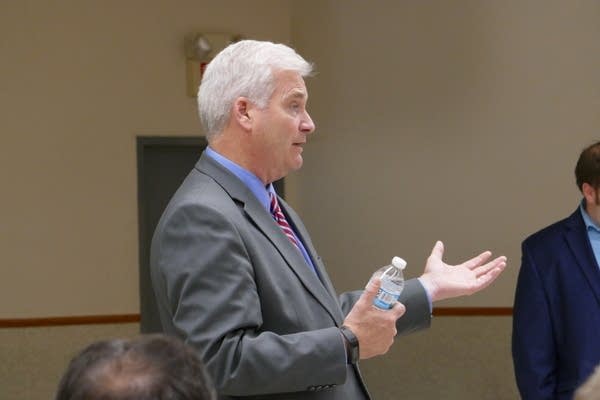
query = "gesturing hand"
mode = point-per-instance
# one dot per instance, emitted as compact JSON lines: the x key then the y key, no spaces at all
{"x":443,"y":281}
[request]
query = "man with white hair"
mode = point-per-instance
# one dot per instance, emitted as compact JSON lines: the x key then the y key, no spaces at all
{"x":234,"y":269}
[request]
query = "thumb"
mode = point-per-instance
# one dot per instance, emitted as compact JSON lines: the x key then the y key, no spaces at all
{"x":371,"y":290}
{"x":438,"y":250}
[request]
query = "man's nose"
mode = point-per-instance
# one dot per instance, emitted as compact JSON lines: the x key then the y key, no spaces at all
{"x":307,"y":125}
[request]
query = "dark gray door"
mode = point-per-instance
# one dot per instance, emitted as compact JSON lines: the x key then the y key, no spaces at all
{"x":163,"y":163}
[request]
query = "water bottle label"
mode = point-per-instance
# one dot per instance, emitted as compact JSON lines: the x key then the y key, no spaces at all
{"x":388,"y":293}
{"x":385,"y":299}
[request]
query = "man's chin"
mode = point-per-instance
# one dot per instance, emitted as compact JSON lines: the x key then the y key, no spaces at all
{"x":298,"y":163}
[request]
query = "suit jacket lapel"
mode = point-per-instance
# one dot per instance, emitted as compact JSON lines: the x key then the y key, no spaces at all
{"x":265,"y":222}
{"x":579,"y":243}
{"x":300,"y":229}
{"x":292,"y":256}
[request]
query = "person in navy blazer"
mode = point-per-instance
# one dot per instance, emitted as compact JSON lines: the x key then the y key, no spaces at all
{"x":556,"y":321}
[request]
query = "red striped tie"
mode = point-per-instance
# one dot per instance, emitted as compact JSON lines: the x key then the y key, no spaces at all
{"x":280,"y":219}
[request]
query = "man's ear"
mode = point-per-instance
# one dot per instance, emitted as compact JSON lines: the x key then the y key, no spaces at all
{"x":242,"y":112}
{"x":589,"y":192}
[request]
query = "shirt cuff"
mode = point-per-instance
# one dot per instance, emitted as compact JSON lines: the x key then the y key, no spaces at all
{"x":428,"y":296}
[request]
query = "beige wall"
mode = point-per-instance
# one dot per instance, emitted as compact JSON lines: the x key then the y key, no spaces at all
{"x":457,"y":359}
{"x":80,"y":79}
{"x":458,"y":121}
{"x":33,"y":359}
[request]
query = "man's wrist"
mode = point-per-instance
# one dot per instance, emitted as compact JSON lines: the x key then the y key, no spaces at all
{"x":352,"y":347}
{"x":429,"y":287}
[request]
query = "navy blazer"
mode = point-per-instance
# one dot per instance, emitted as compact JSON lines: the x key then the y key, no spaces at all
{"x":556,"y":322}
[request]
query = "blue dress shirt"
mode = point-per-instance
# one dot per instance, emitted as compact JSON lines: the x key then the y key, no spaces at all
{"x":593,"y":231}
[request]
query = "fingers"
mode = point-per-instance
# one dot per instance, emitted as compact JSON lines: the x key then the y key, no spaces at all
{"x":486,"y":274}
{"x":398,"y":309}
{"x":477,"y":261}
{"x":487,"y":279}
{"x":498,"y":262}
{"x":368,"y":296}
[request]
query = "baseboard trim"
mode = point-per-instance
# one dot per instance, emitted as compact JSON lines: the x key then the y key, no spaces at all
{"x":472,"y":311}
{"x":70,"y":320}
{"x":131,"y":318}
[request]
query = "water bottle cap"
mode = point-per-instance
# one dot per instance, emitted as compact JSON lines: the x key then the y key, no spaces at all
{"x":398,"y":262}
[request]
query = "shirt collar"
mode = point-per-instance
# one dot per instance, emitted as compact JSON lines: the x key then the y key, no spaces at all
{"x":248,"y":178}
{"x":589,"y":223}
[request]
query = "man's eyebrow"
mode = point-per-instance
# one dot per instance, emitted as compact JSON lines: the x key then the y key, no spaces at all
{"x":296,"y":94}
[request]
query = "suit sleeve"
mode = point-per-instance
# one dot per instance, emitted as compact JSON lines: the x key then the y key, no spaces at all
{"x":414,"y":298}
{"x":533,"y":346}
{"x":213,"y":302}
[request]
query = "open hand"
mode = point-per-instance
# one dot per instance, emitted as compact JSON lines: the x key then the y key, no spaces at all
{"x":443,"y":281}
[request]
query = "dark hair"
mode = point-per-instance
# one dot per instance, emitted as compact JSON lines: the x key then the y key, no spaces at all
{"x":587,"y":169}
{"x":151,"y":367}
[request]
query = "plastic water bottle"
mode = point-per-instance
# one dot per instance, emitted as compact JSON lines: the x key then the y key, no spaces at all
{"x":392,"y":283}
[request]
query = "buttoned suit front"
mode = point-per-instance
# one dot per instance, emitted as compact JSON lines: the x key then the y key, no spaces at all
{"x":229,"y":282}
{"x":556,"y":322}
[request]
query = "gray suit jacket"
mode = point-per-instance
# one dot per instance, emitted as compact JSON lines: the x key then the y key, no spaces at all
{"x":230,"y":283}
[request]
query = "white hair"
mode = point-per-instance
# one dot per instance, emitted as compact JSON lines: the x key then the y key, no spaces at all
{"x":243,"y":69}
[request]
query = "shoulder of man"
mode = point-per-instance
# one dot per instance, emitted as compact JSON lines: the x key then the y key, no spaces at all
{"x":546,"y":235}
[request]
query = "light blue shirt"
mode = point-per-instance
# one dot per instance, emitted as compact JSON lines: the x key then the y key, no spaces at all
{"x":257,"y":188}
{"x":593,"y":231}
